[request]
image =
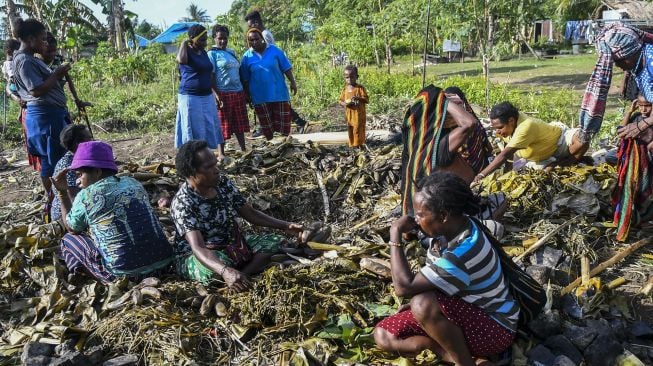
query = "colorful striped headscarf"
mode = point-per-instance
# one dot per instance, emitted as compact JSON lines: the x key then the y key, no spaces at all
{"x":616,"y":41}
{"x":420,"y":133}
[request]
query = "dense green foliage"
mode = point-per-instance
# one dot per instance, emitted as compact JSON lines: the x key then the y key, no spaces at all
{"x":373,"y":31}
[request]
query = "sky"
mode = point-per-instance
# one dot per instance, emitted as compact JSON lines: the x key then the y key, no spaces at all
{"x":165,"y":12}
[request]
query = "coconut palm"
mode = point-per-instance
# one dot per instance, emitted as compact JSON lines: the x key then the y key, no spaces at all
{"x":196,"y":14}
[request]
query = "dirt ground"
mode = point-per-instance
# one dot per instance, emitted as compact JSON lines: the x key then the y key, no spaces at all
{"x":22,"y":184}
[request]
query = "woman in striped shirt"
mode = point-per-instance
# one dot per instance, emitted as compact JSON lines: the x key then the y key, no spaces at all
{"x":460,"y":307}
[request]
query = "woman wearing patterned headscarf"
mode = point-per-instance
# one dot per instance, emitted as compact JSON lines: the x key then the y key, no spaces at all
{"x":631,"y":50}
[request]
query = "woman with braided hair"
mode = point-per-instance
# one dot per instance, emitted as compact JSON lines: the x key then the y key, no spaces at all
{"x":461,"y":307}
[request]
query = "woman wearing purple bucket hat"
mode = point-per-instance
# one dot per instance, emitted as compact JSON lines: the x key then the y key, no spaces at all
{"x":112,"y":228}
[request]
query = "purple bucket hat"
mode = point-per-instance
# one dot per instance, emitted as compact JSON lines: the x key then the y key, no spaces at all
{"x":94,"y":154}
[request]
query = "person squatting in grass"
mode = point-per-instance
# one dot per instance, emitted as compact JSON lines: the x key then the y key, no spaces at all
{"x":262,"y":71}
{"x":112,"y":228}
{"x":354,"y":98}
{"x":543,"y":144}
{"x":228,"y":90}
{"x":254,"y":20}
{"x":197,"y":110}
{"x":40,"y":88}
{"x":209,"y":242}
{"x":461,"y":306}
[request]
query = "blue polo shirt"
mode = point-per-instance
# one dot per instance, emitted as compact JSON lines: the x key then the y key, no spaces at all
{"x":265,"y":75}
{"x":196,"y":74}
{"x":226,"y":70}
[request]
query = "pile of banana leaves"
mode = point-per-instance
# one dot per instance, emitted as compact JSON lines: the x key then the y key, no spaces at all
{"x":300,"y":311}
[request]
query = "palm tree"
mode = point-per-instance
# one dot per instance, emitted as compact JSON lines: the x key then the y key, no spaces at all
{"x":115,"y":11}
{"x":196,"y":14}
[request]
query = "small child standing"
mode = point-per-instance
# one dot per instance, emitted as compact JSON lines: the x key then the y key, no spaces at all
{"x":354,"y":98}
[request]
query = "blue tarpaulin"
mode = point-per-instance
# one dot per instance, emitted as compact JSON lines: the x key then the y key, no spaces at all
{"x":171,"y":34}
{"x":142,"y":42}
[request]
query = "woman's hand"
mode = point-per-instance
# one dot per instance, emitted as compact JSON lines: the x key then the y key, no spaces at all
{"x":62,"y":69}
{"x":218,"y":101}
{"x":295,"y":230}
{"x":59,"y":181}
{"x":404,"y":224}
{"x":293,"y":87}
{"x":630,"y":131}
{"x":236,"y":280}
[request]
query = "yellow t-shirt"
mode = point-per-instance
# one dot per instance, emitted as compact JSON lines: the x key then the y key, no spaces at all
{"x":535,"y":139}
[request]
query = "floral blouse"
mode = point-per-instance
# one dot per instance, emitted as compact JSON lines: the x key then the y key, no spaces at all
{"x":214,"y":218}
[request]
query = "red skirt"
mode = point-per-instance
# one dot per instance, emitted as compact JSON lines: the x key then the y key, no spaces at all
{"x":233,"y":114}
{"x":484,"y":335}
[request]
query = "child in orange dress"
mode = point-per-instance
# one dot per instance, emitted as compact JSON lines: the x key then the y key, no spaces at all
{"x":354,"y":98}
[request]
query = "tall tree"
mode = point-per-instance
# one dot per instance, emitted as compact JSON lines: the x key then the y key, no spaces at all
{"x":115,"y":11}
{"x":195,"y":14}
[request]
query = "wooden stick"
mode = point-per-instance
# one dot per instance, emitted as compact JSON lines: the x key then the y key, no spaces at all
{"x":584,"y":270}
{"x":602,"y":266}
{"x":365,"y":222}
{"x":544,"y":239}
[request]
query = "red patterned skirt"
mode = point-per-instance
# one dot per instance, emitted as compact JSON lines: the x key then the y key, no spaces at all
{"x":233,"y":114}
{"x":484,"y":335}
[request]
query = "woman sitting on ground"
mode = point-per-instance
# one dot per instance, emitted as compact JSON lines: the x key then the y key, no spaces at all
{"x":70,"y":138}
{"x":124,"y":236}
{"x":209,"y":241}
{"x":461,"y":307}
{"x":631,"y":197}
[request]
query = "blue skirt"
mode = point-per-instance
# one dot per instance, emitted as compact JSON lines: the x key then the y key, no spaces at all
{"x":44,"y":124}
{"x":197,"y":119}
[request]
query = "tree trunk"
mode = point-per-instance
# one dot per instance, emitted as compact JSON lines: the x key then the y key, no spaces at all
{"x":12,"y":17}
{"x":376,"y":50}
{"x":388,"y":53}
{"x":117,"y":11}
{"x":412,"y":58}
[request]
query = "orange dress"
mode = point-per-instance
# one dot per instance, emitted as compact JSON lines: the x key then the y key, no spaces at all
{"x":355,"y":115}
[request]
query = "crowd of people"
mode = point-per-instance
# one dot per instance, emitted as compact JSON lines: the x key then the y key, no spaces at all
{"x":461,"y":305}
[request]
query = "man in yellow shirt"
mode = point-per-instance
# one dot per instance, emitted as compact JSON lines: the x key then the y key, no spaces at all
{"x":542,"y":144}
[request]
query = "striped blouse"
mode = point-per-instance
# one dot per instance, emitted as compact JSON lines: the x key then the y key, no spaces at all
{"x":470,"y":269}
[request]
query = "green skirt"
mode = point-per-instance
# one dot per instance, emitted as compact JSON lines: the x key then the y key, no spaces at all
{"x":189,"y":267}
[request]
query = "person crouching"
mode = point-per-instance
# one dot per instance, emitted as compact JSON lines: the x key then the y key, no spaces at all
{"x":112,"y":228}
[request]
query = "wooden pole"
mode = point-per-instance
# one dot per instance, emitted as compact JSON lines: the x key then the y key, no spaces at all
{"x":602,"y":266}
{"x":426,"y":41}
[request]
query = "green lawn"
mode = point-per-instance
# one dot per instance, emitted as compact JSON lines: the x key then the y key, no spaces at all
{"x":563,"y":71}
